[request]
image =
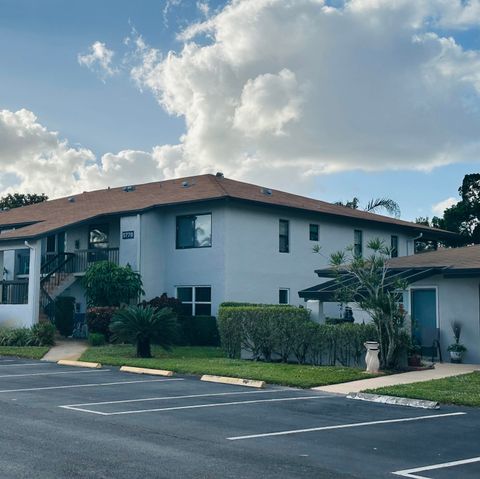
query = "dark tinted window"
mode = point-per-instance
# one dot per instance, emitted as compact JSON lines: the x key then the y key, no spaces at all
{"x":358,"y":243}
{"x":194,"y":231}
{"x":394,"y":246}
{"x":283,"y":296}
{"x":283,"y":236}
{"x":314,"y":232}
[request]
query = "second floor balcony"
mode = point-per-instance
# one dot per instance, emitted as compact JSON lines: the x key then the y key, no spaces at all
{"x":78,"y":261}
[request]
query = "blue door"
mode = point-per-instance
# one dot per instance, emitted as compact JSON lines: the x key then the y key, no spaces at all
{"x":424,"y":316}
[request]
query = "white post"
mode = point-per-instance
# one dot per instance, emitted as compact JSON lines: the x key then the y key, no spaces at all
{"x":316,"y":307}
{"x":34,"y":279}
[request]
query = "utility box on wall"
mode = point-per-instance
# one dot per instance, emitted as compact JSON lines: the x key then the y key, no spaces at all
{"x":130,"y":241}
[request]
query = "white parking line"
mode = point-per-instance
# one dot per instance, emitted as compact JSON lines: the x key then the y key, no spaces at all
{"x":410,"y":472}
{"x":46,"y":388}
{"x":50,"y":374}
{"x":345,"y":426}
{"x":195,"y":406}
{"x":25,"y":364}
{"x":163,"y":398}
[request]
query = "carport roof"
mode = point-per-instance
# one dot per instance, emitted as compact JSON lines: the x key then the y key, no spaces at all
{"x":450,"y":262}
{"x":327,"y":291}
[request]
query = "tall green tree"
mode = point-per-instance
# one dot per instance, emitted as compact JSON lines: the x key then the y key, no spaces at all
{"x":107,"y":284}
{"x":16,"y":200}
{"x":374,"y":205}
{"x":370,"y":288}
{"x":464,"y":216}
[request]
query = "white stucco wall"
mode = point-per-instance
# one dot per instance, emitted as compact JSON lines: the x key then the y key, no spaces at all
{"x":80,"y":233}
{"x":256,"y":270}
{"x":458,"y":299}
{"x":164,"y":267}
{"x":24,"y":315}
{"x":130,"y":247}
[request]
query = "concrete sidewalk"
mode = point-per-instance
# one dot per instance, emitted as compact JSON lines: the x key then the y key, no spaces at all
{"x":66,"y":349}
{"x":441,"y":370}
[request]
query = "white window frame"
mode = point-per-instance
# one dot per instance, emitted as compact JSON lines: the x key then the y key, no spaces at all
{"x":194,"y":302}
{"x":288,"y":295}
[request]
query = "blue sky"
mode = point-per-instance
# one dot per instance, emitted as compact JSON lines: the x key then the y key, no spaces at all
{"x":39,"y":46}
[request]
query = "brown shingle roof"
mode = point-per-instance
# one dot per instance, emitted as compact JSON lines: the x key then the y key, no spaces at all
{"x":57,"y":214}
{"x":467,"y":257}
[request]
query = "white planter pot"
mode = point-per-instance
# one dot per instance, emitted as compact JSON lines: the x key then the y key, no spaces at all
{"x":373,"y":363}
{"x":456,"y":357}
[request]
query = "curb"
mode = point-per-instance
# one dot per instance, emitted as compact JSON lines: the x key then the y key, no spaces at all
{"x":80,"y":364}
{"x":235,"y":381}
{"x":396,"y":401}
{"x":154,"y":372}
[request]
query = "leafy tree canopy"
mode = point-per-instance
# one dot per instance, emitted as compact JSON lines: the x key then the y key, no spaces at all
{"x":16,"y":200}
{"x":107,"y":284}
{"x":464,"y":216}
{"x":374,"y":205}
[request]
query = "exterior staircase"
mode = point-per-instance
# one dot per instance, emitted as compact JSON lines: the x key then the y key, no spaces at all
{"x":57,"y":276}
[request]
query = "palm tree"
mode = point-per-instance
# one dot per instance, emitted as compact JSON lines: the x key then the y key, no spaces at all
{"x":143,"y":326}
{"x":387,"y":204}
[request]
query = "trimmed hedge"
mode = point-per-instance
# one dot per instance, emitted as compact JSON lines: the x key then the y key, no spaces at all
{"x":288,"y":333}
{"x":41,"y":334}
{"x":198,"y":331}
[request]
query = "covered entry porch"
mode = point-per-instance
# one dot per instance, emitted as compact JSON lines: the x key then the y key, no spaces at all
{"x":419,"y":302}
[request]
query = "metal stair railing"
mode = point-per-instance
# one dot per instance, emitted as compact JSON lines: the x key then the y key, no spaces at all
{"x":53,"y":272}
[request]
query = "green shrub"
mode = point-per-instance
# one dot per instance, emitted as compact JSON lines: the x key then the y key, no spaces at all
{"x":289,"y":333}
{"x":198,"y":331}
{"x":164,"y":301}
{"x":259,"y":329}
{"x":16,"y":337}
{"x":107,"y":284}
{"x":96,"y":339}
{"x":64,"y":315}
{"x":144,"y":326}
{"x":99,"y":319}
{"x":230,"y":330}
{"x":43,"y":334}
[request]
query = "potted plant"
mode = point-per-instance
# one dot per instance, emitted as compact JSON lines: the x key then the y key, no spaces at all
{"x":415,"y":355}
{"x":456,"y":350}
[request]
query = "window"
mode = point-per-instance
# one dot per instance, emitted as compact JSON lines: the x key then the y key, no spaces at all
{"x":51,"y":244}
{"x":283,"y":236}
{"x":358,"y":243}
{"x":194,"y":231}
{"x":196,"y":300}
{"x":98,"y":236}
{"x":314,"y":232}
{"x":394,"y":246}
{"x":283,"y":296}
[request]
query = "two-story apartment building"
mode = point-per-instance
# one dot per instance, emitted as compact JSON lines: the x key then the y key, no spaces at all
{"x":205,"y":239}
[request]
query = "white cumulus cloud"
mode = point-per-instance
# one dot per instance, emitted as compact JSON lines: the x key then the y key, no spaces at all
{"x":309,"y":88}
{"x":99,"y":60}
{"x":278,"y":91}
{"x":34,"y":159}
{"x":441,"y":206}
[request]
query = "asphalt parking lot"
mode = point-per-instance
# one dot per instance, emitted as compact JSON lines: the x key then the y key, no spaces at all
{"x":60,"y":421}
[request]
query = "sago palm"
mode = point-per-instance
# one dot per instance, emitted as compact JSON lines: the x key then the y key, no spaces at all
{"x":144,"y":326}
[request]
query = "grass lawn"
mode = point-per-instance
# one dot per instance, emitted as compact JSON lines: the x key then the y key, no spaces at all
{"x":205,"y":360}
{"x":31,"y":352}
{"x":463,"y":390}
